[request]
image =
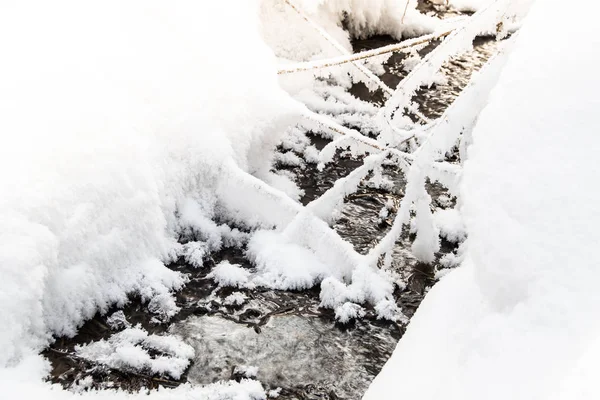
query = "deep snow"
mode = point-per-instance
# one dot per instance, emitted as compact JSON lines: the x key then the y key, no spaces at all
{"x":518,"y":319}
{"x":115,"y":117}
{"x":124,"y":128}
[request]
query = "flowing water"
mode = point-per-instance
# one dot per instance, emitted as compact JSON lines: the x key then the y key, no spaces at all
{"x":296,"y":345}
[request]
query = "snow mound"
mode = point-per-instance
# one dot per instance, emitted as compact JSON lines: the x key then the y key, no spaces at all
{"x":227,"y":274}
{"x":450,"y":224}
{"x":517,"y":318}
{"x":131,"y":349}
{"x":105,"y":144}
{"x":348,"y":312}
{"x":118,"y":320}
{"x":246,"y":370}
{"x":235,"y":299}
{"x":137,"y":133}
{"x":120,"y":125}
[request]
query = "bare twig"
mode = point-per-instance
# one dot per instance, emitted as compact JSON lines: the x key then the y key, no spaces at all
{"x":329,"y":62}
{"x":405,"y":9}
{"x":340,"y":48}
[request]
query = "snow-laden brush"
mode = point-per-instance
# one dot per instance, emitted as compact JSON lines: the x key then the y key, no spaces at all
{"x":425,"y":163}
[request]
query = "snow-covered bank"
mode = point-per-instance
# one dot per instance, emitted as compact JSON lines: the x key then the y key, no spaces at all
{"x":125,"y":125}
{"x":519,"y":315}
{"x":113,"y":117}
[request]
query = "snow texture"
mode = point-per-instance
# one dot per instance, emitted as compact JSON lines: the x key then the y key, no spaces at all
{"x":348,"y":312}
{"x":117,"y":320}
{"x":226,"y":274}
{"x":140,"y":137}
{"x":246,"y":371}
{"x":131,"y":350}
{"x":450,"y":224}
{"x":120,"y":125}
{"x":518,"y":318}
{"x":137,"y":133}
{"x":468,"y":5}
{"x":363,"y":19}
{"x":235,"y":299}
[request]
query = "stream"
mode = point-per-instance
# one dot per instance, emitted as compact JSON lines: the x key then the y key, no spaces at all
{"x":295,"y":345}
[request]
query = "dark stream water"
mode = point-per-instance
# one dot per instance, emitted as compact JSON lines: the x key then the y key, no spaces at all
{"x":296,"y":345}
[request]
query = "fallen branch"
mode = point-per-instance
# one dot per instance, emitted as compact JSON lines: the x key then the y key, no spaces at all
{"x":341,"y":130}
{"x":352,"y":58}
{"x":341,"y":48}
{"x":485,"y":20}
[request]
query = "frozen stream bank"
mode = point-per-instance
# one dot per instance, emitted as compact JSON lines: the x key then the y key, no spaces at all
{"x":295,"y":345}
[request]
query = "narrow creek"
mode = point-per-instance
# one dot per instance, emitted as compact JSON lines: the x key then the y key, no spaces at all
{"x":296,"y":345}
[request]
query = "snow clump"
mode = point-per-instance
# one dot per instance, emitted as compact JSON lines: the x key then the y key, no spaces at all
{"x":131,"y":350}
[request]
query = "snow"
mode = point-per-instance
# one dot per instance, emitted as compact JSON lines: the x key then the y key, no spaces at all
{"x":235,"y":299}
{"x":21,"y":386}
{"x":131,"y":349}
{"x":517,"y":319}
{"x":514,"y":15}
{"x":227,"y":274}
{"x":363,"y":18}
{"x":333,"y":293}
{"x":283,"y":264}
{"x":387,"y":309}
{"x":118,"y":320}
{"x":246,"y":370}
{"x":367,"y":285}
{"x":518,"y":7}
{"x":348,"y":312}
{"x":488,"y":20}
{"x":468,"y":5}
{"x":132,"y":138}
{"x":70,"y":230}
{"x":450,"y":223}
{"x":318,"y":34}
{"x":119,"y":123}
{"x":582,"y":382}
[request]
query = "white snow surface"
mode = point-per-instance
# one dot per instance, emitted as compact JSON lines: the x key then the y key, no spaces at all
{"x":130,"y":350}
{"x":348,"y":311}
{"x":515,"y":14}
{"x":472,"y":5}
{"x":398,"y":18}
{"x":517,"y":320}
{"x":235,"y":299}
{"x":450,"y":224}
{"x":468,"y":5}
{"x":248,"y":371}
{"x":127,"y":124}
{"x":227,"y":274}
{"x":23,"y":387}
{"x":115,"y":117}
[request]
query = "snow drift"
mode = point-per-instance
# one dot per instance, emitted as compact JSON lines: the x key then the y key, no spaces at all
{"x":519,"y":315}
{"x":126,"y":124}
{"x":114,"y":116}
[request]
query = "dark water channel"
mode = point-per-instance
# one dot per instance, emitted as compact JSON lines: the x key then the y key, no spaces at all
{"x":296,"y":345}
